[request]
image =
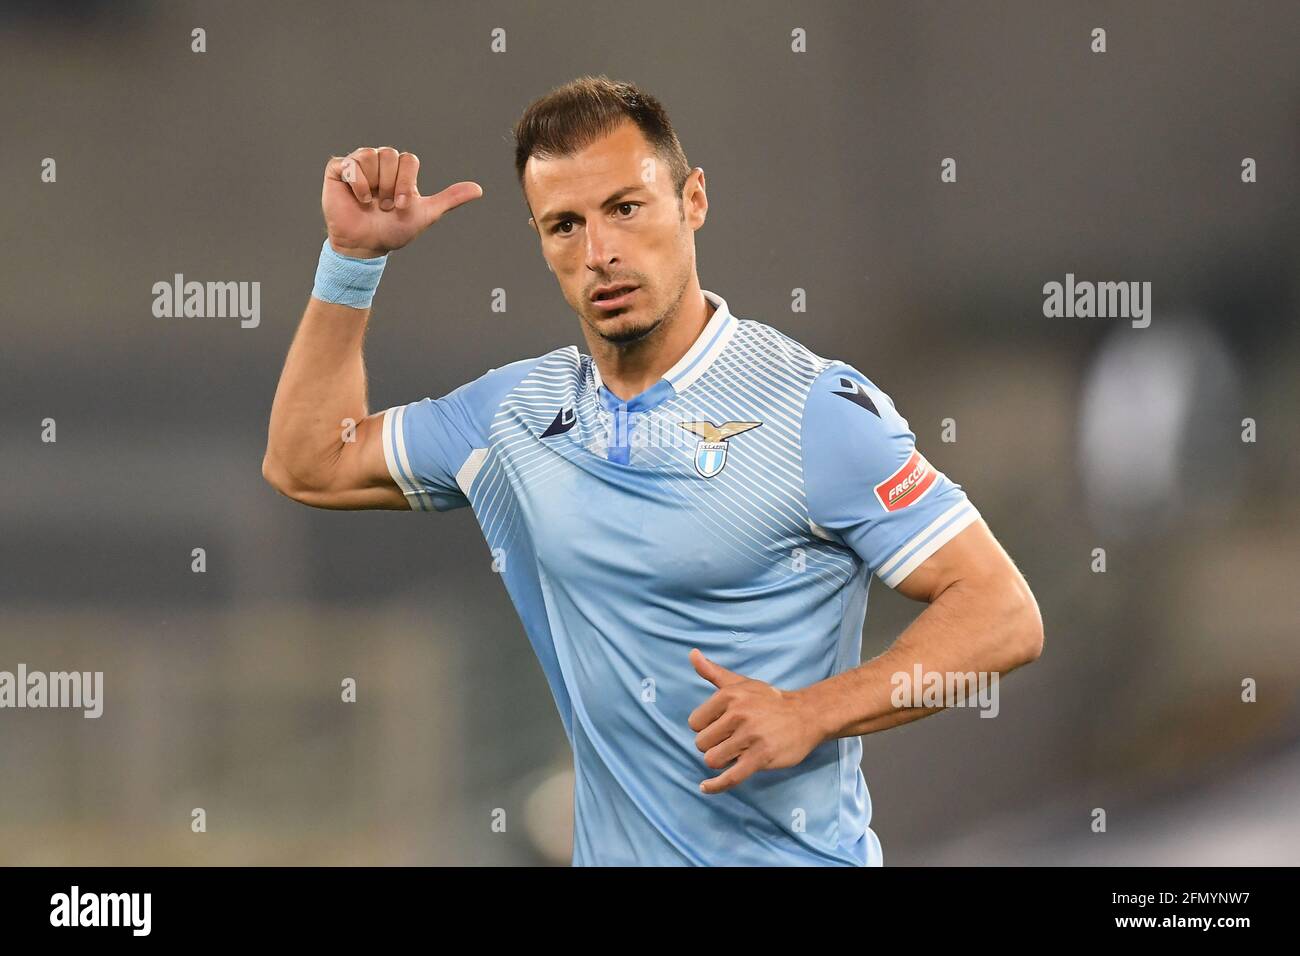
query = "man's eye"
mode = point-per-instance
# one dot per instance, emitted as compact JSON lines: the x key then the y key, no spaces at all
{"x":560,"y":225}
{"x":632,"y":205}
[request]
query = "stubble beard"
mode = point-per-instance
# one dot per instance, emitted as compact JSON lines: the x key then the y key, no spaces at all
{"x":624,"y":331}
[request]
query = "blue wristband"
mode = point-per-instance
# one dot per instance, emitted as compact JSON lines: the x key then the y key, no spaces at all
{"x":347,"y":280}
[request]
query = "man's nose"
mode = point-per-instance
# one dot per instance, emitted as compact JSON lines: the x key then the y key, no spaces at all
{"x":600,"y":248}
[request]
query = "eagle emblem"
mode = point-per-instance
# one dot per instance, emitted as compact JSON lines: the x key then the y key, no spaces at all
{"x":711,"y":452}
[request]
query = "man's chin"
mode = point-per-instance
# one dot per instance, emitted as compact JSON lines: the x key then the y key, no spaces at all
{"x":622,"y":329}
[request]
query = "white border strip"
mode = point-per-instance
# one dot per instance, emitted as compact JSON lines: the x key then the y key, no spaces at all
{"x":965,"y":515}
{"x":470,"y":469}
{"x":711,"y":340}
{"x":399,"y":466}
{"x":920,"y":536}
{"x":821,"y":532}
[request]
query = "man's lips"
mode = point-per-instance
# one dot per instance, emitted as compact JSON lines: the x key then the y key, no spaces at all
{"x":619,"y":300}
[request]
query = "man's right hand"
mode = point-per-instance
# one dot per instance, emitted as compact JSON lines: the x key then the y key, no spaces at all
{"x":371,"y":203}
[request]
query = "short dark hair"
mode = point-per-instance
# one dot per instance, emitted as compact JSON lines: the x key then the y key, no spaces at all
{"x":572,"y":116}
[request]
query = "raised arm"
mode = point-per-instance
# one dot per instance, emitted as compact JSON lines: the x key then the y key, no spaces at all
{"x":323,"y":447}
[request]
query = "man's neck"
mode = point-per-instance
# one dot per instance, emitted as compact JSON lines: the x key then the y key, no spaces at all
{"x":628,"y":371}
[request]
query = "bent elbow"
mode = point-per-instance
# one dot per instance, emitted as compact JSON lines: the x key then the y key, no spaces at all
{"x":1018,"y":629}
{"x":282,"y":479}
{"x":1029,"y":626}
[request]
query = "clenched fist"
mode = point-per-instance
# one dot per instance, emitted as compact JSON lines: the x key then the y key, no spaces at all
{"x":371,"y":203}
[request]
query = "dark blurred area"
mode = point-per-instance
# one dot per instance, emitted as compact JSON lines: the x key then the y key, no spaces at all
{"x":222,"y":688}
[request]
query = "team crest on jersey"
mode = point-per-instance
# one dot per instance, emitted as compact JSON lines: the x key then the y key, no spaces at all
{"x":711,"y":452}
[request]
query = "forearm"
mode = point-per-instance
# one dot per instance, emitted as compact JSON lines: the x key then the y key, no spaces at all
{"x":323,"y":384}
{"x":978,"y":626}
{"x":323,"y":448}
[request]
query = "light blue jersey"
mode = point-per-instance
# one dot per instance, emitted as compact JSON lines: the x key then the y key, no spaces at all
{"x":739,"y":505}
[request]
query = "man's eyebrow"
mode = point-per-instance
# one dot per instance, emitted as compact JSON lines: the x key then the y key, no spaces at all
{"x":570,"y":214}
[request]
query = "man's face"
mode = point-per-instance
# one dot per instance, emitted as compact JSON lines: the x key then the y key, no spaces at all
{"x":609,"y":215}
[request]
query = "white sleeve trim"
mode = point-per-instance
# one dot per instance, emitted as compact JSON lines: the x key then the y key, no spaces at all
{"x":399,"y":465}
{"x":470,"y":469}
{"x":933,"y":537}
{"x":821,"y":532}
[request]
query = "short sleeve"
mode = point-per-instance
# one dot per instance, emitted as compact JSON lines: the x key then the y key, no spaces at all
{"x":866,"y":483}
{"x":426,"y":444}
{"x":436,"y":447}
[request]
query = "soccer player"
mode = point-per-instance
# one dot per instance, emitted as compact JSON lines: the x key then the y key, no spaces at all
{"x":687,"y":518}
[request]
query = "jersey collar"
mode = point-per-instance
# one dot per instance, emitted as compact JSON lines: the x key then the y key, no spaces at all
{"x":711,"y":342}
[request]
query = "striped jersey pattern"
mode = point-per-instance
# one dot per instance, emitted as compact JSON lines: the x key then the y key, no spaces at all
{"x":740,"y":505}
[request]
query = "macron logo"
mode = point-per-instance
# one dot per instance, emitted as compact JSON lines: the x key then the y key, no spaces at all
{"x":563,"y":422}
{"x":857,"y":395}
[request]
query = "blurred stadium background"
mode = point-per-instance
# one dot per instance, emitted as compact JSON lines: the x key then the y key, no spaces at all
{"x":222,"y":688}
